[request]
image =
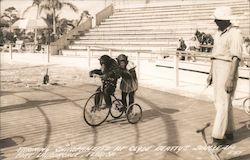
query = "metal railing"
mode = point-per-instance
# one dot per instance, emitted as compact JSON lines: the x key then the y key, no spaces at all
{"x":175,"y":54}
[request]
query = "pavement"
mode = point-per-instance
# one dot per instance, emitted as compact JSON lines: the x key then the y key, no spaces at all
{"x":46,"y":122}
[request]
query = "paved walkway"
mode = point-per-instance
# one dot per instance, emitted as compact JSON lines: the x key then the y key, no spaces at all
{"x":45,"y":121}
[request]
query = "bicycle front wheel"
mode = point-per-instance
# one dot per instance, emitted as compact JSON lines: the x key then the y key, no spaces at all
{"x":134,"y":113}
{"x":95,"y":111}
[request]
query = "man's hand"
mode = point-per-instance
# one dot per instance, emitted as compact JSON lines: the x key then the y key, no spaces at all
{"x":229,"y":86}
{"x":209,"y":79}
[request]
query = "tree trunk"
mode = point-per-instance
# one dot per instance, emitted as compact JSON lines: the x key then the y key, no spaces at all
{"x":37,"y":15}
{"x":54,"y":21}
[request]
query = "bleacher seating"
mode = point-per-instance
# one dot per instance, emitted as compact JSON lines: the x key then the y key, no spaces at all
{"x":156,"y":27}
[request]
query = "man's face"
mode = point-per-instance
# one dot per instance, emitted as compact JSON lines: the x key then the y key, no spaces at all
{"x":222,"y":24}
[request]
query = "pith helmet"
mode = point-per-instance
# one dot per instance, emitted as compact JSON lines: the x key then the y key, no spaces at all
{"x":222,"y":13}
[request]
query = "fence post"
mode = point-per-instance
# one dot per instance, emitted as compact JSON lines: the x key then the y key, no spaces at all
{"x":176,"y":69}
{"x":48,"y":53}
{"x":10,"y":51}
{"x":138,"y":64}
{"x":89,"y":56}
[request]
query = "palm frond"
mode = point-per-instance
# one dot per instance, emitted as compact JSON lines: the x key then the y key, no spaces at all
{"x":70,"y":5}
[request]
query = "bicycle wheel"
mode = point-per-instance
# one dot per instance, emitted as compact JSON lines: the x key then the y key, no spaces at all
{"x":134,"y":113}
{"x":246,"y":105}
{"x":116,"y":110}
{"x":95,"y":114}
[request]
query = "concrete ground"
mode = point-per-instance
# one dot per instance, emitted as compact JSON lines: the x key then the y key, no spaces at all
{"x":45,"y":121}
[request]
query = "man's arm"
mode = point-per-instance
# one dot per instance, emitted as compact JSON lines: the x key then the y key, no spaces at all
{"x":229,"y":86}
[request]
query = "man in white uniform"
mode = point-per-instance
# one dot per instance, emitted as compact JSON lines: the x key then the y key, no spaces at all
{"x":226,"y":53}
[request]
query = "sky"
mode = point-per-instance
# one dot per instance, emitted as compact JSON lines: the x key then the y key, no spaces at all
{"x":93,"y":6}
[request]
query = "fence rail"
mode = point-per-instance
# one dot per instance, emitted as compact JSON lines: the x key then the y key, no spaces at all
{"x":138,"y":55}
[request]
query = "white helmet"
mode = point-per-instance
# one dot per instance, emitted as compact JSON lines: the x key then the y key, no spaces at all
{"x":222,"y":13}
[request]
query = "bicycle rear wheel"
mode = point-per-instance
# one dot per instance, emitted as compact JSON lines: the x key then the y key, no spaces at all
{"x":116,"y":110}
{"x":246,"y":105}
{"x":95,"y":113}
{"x":134,"y":113}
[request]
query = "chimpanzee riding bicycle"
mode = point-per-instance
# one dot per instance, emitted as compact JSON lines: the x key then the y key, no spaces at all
{"x":95,"y":111}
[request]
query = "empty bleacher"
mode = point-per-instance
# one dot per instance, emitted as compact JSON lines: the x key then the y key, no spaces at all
{"x":156,"y":27}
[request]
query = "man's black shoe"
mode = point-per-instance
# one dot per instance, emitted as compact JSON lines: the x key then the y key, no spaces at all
{"x":229,"y":136}
{"x":218,"y":142}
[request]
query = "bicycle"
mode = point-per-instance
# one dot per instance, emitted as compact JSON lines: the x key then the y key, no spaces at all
{"x":95,"y":111}
{"x":246,"y":105}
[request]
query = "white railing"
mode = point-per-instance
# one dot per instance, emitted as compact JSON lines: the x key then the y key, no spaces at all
{"x":175,"y":54}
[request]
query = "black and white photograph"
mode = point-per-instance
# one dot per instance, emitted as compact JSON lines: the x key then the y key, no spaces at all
{"x":124,"y":80}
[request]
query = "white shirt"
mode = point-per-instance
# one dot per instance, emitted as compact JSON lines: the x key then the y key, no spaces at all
{"x":227,"y":44}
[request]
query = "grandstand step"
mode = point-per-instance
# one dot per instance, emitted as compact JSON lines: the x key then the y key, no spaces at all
{"x":169,"y":28}
{"x":199,"y":26}
{"x":143,"y":32}
{"x":126,"y":47}
{"x":187,"y":6}
{"x":176,"y":20}
{"x":154,"y":28}
{"x":194,"y":12}
{"x":208,"y":10}
{"x":127,"y":42}
{"x":151,"y":19}
{"x":127,"y":37}
{"x":180,"y":23}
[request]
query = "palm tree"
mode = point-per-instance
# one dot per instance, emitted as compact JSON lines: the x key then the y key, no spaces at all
{"x":36,"y":3}
{"x":54,"y":6}
{"x":62,"y":25}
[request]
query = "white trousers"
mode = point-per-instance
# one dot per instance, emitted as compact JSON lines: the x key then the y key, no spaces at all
{"x":223,"y":122}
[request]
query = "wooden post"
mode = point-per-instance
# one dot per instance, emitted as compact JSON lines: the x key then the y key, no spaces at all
{"x":138,"y":64}
{"x":89,"y":56}
{"x":10,"y":51}
{"x":47,"y":46}
{"x":176,"y":69}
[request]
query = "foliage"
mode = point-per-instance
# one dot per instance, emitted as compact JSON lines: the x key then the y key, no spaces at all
{"x":56,"y":5}
{"x":10,"y":15}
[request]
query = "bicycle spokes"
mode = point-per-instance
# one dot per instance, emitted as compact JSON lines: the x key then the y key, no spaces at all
{"x":95,"y":111}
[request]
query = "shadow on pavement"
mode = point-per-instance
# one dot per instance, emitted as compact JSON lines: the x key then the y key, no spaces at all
{"x":170,"y":126}
{"x":242,"y":157}
{"x":242,"y":133}
{"x":11,"y":141}
{"x":152,"y":113}
{"x":31,"y":104}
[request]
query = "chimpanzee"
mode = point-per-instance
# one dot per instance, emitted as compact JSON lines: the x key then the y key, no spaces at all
{"x":204,"y":39}
{"x":109,"y":73}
